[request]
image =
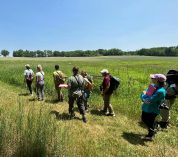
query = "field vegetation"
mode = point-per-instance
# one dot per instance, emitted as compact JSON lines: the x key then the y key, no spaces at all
{"x":42,"y":128}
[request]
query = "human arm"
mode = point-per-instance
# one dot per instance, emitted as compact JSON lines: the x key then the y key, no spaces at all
{"x":69,"y":83}
{"x":156,"y":97}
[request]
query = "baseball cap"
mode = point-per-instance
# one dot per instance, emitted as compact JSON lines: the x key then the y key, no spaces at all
{"x":104,"y":71}
{"x":159,"y":77}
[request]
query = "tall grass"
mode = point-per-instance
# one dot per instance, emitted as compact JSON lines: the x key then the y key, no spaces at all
{"x":31,"y":128}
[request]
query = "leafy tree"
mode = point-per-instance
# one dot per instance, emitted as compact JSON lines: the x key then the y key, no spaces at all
{"x":48,"y":53}
{"x":4,"y":53}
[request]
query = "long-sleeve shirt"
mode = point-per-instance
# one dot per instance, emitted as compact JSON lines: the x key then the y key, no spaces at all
{"x":151,"y":104}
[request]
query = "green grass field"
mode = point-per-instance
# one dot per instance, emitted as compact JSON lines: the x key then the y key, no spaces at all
{"x":32,"y":128}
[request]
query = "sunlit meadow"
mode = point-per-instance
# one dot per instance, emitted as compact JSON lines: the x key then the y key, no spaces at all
{"x":32,"y":128}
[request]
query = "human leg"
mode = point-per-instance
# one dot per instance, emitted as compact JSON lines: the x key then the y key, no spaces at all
{"x":38,"y":91}
{"x":80,"y":104}
{"x":165,"y":113}
{"x":85,"y":100}
{"x":29,"y":85}
{"x":108,"y":106}
{"x":81,"y":107}
{"x":42,"y":91}
{"x":71,"y":106}
{"x":61,"y":96}
{"x":149,"y":120}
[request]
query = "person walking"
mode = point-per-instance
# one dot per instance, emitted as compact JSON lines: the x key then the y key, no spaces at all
{"x":40,"y":83}
{"x":28,"y":77}
{"x":59,"y":78}
{"x":106,"y":93}
{"x":88,"y":85}
{"x":151,"y":104}
{"x":171,"y":93}
{"x":75,"y":88}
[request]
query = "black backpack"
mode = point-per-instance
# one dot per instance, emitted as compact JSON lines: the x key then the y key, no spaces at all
{"x":172,"y":77}
{"x":114,"y":83}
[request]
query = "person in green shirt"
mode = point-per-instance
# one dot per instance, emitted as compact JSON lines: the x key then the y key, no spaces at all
{"x":76,"y":83}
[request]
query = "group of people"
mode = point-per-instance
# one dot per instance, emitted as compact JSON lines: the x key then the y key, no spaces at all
{"x":29,"y":77}
{"x":79,"y":85}
{"x":157,"y":98}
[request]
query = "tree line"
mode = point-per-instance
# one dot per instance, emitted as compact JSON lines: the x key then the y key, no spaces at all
{"x":158,"y":51}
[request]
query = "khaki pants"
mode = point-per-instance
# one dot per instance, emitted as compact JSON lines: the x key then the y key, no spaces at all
{"x":59,"y":92}
{"x":107,"y":104}
{"x":165,"y":114}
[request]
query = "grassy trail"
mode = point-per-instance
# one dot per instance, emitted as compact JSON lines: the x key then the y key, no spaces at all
{"x":21,"y":116}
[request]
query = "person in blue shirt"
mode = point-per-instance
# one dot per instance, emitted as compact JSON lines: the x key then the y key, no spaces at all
{"x":150,"y":106}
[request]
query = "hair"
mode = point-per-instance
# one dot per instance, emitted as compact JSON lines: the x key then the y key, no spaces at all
{"x":39,"y":67}
{"x":56,"y":66}
{"x":75,"y":70}
{"x":161,"y":84}
{"x":83,"y":73}
{"x":27,"y":67}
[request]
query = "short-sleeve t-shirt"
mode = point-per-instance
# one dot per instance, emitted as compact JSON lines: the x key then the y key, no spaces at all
{"x":105,"y":83}
{"x":40,"y":77}
{"x":73,"y":84}
{"x":28,"y":73}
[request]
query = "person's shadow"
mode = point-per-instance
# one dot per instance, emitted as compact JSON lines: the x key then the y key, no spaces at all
{"x":141,"y":124}
{"x":133,"y":138}
{"x":62,"y":116}
{"x":53,"y":101}
{"x":23,"y":94}
{"x":96,"y":112}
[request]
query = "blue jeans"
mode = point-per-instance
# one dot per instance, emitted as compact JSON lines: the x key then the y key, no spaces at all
{"x":40,"y":91}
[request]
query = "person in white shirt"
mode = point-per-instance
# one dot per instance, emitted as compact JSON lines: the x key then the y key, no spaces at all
{"x":40,"y":83}
{"x":28,"y":77}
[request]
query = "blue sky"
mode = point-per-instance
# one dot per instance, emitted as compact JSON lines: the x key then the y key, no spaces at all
{"x":87,"y":24}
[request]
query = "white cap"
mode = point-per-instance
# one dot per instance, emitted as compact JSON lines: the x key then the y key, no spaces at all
{"x":104,"y":71}
{"x":27,"y":65}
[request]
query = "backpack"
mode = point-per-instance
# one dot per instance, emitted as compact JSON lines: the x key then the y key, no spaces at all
{"x":59,"y":78}
{"x":172,"y":77}
{"x":88,"y":83}
{"x":114,"y":83}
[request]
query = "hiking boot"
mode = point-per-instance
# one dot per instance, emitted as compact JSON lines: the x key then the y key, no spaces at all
{"x":157,"y":127}
{"x":111,"y":114}
{"x":84,"y":118}
{"x":164,"y":125}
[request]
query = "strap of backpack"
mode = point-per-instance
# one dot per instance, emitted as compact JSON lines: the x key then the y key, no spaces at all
{"x":42,"y":74}
{"x":78,"y":83}
{"x":58,"y":74}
